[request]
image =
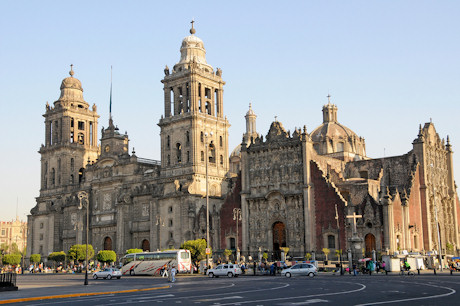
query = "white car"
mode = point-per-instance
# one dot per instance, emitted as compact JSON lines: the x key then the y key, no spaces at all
{"x":300,"y":269}
{"x":229,"y":270}
{"x":107,"y":273}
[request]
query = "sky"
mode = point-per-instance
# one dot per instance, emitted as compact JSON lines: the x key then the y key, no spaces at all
{"x":388,"y":66}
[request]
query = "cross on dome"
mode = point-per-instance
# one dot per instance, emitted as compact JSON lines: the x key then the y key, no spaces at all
{"x":71,"y":70}
{"x":192,"y":30}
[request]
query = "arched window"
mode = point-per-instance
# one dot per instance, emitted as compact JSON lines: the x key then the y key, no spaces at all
{"x":202,"y":137}
{"x":53,"y":178}
{"x":221,"y":160}
{"x":202,"y":156}
{"x":187,"y":138}
{"x":220,"y":141}
{"x":167,"y":142}
{"x":179,"y":153}
{"x":331,"y":241}
{"x":212,"y":153}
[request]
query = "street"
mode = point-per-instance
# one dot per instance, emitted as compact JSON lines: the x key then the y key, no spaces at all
{"x":424,"y":289}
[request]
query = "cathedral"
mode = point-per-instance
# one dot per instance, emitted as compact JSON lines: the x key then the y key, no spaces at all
{"x":302,"y":190}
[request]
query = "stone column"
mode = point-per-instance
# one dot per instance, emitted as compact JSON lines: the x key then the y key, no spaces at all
{"x":167,"y":93}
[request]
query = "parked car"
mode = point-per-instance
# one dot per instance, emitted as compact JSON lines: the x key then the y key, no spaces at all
{"x":300,"y":269}
{"x":229,"y":270}
{"x":107,"y":273}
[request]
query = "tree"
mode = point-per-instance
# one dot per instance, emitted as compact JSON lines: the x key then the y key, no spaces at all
{"x":35,"y":258}
{"x":57,"y":256}
{"x":11,"y":259}
{"x":227,"y":253}
{"x":106,"y":256}
{"x":14,"y":249}
{"x":78,"y":252}
{"x":265,"y":256}
{"x":307,"y":256}
{"x":134,"y":251}
{"x":337,"y":253}
{"x":326,"y":252}
{"x":197,"y":248}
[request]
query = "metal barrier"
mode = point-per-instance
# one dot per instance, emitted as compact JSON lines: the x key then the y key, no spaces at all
{"x":8,"y":282}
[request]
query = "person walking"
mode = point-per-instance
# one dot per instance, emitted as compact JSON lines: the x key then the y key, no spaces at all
{"x":173,"y":274}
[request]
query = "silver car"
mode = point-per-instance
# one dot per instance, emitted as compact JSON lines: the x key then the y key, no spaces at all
{"x":107,"y":273}
{"x":229,"y":270}
{"x":300,"y":269}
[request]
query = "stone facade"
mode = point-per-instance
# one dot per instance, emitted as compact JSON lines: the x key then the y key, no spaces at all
{"x":294,"y":191}
{"x":13,"y":232}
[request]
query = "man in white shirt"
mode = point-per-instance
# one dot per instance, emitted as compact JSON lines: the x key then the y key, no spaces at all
{"x":173,"y":274}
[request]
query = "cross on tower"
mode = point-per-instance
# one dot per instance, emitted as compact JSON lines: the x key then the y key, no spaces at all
{"x":354,"y":217}
{"x":328,"y":98}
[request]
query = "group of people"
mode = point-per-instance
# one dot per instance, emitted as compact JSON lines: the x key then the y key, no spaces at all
{"x":369,"y":267}
{"x":169,"y":272}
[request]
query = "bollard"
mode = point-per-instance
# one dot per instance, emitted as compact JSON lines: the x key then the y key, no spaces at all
{"x":386,"y":272}
{"x":418,"y":271}
{"x":451,"y":272}
{"x":434,"y":271}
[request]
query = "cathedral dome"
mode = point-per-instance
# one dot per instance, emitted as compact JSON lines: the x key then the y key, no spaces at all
{"x":71,"y":89}
{"x":192,"y":50}
{"x":331,"y":137}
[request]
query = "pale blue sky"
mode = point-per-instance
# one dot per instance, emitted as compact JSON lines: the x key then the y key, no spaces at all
{"x":389,"y":66}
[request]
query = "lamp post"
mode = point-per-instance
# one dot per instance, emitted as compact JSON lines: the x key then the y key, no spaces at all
{"x":338,"y":232}
{"x":207,"y":200}
{"x":237,"y":217}
{"x":83,"y":196}
{"x":436,"y":216}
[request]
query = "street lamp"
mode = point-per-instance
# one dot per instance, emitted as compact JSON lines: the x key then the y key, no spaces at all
{"x":237,"y":217}
{"x":338,"y":232}
{"x":207,"y":201}
{"x":82,"y":195}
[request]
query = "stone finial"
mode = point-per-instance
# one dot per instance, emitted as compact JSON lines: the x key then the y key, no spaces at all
{"x":192,"y":30}
{"x":71,"y":70}
{"x":166,"y":70}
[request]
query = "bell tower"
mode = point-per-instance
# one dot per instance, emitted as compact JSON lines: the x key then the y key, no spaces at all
{"x":193,"y":126}
{"x":70,"y":138}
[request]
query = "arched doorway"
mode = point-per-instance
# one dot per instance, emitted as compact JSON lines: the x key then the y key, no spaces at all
{"x":279,"y":239}
{"x":107,"y":243}
{"x":145,"y":245}
{"x":369,"y":241}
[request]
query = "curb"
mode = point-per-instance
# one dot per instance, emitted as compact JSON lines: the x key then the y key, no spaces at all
{"x":62,"y":296}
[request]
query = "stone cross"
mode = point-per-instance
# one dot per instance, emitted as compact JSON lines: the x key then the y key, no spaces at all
{"x":354,"y":217}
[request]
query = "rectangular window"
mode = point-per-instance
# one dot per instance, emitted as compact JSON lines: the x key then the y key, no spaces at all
{"x":90,"y":133}
{"x":3,"y":232}
{"x":41,"y":236}
{"x":170,"y":222}
{"x":81,"y":125}
{"x":41,"y":225}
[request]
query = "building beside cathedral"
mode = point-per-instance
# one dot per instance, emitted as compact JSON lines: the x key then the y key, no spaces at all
{"x":289,"y":187}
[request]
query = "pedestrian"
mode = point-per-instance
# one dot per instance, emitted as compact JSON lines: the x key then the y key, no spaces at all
{"x":355,"y":271}
{"x":272,"y":269}
{"x":384,"y":267}
{"x":173,"y":274}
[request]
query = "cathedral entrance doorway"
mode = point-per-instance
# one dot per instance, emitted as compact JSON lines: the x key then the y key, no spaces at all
{"x":145,"y":245}
{"x":369,"y":241}
{"x":108,"y":243}
{"x":279,"y":239}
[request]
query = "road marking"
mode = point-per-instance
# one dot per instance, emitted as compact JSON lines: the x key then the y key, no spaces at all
{"x":222,"y":298}
{"x":305,"y":296}
{"x":314,"y":301}
{"x":63,"y":296}
{"x":452,"y":291}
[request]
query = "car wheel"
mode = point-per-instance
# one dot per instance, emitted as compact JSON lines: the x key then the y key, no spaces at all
{"x":109,"y":276}
{"x":230,"y":274}
{"x":311,"y":274}
{"x":288,"y":274}
{"x":211,"y":275}
{"x":132,"y":273}
{"x":95,"y":276}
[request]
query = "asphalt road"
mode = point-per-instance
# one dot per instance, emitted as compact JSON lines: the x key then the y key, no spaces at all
{"x":246,"y":290}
